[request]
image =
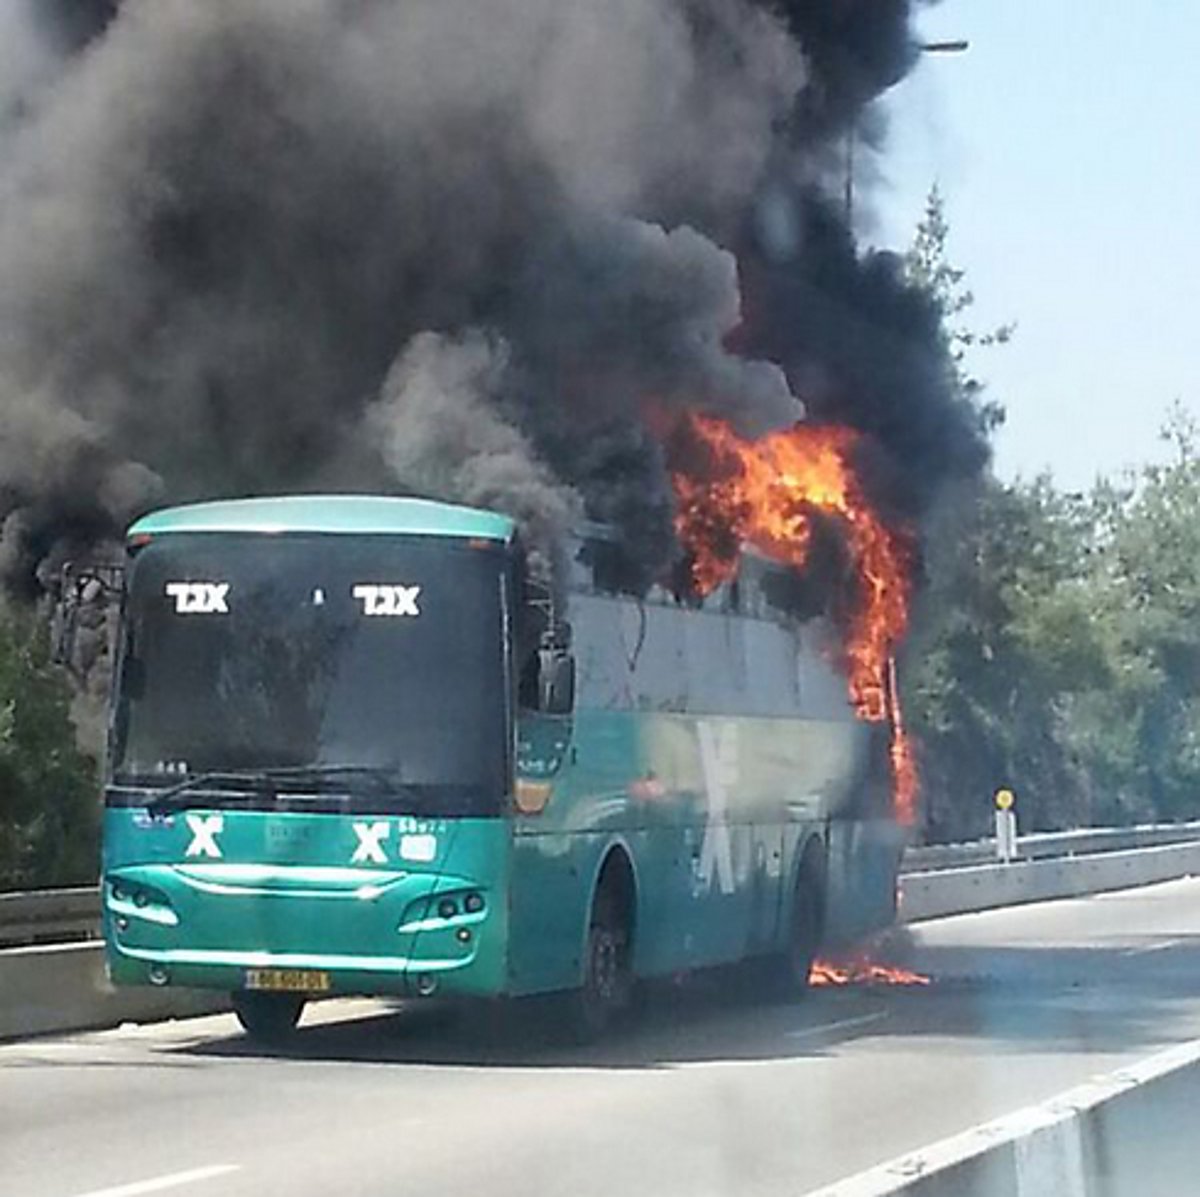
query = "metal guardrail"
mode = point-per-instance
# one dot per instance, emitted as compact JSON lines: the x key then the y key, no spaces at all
{"x":71,"y":915}
{"x":49,"y":916}
{"x":1085,"y":841}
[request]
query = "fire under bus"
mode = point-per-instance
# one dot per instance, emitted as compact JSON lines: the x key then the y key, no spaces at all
{"x":353,"y":750}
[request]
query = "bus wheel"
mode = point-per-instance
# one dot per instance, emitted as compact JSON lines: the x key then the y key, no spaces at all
{"x":268,"y":1017}
{"x":607,"y":988}
{"x":804,"y":935}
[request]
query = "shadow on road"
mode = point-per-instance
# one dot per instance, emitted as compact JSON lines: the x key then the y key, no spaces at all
{"x":1017,"y":998}
{"x":707,"y":1017}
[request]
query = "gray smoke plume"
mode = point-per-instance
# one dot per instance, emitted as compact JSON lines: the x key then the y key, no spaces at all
{"x":439,"y":425}
{"x":279,"y":244}
{"x":27,"y":62}
{"x":260,"y":245}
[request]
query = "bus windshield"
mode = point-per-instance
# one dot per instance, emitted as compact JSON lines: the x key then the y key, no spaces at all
{"x":251,"y":652}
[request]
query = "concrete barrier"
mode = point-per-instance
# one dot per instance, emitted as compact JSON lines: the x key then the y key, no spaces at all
{"x":63,"y":988}
{"x":958,"y":891}
{"x":1130,"y":1132}
{"x":1038,"y":845}
{"x":49,"y":916}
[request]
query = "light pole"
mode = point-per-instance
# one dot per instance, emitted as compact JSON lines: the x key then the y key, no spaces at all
{"x":952,"y":46}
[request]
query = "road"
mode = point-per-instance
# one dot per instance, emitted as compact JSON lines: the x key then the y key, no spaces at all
{"x":711,"y":1094}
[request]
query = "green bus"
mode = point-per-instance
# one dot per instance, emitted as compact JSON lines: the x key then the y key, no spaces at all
{"x":354,"y":749}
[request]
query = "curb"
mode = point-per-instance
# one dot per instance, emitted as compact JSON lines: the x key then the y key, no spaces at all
{"x":64,"y":988}
{"x":985,"y":887}
{"x":1128,"y":1132}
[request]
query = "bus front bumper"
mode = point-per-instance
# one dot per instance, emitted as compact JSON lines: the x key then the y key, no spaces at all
{"x":330,"y":932}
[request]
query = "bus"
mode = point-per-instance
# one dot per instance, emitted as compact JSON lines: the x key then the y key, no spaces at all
{"x":354,"y":748}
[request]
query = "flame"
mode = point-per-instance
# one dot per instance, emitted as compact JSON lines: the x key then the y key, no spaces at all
{"x":861,"y":970}
{"x":763,"y":494}
{"x":905,"y":780}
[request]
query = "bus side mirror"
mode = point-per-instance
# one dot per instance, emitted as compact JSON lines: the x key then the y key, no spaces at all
{"x":556,"y":682}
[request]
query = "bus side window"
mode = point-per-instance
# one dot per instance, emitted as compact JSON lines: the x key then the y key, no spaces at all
{"x":527,"y":681}
{"x":542,"y":651}
{"x":556,"y":675}
{"x":532,"y":620}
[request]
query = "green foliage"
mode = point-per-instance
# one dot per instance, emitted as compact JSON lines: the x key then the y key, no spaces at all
{"x":1001,"y":625}
{"x":928,"y":265}
{"x":49,"y":811}
{"x":1057,"y":651}
{"x":1056,"y":647}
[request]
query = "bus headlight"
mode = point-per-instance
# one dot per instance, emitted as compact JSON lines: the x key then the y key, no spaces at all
{"x":132,"y":899}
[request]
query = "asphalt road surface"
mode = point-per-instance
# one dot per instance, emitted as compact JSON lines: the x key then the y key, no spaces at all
{"x":711,"y":1093}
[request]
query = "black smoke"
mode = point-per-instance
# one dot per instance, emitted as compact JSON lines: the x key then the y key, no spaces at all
{"x":856,"y":50}
{"x":72,"y":24}
{"x":462,"y":250}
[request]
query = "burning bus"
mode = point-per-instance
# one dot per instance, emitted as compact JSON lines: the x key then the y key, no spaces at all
{"x":355,"y":747}
{"x":355,"y":744}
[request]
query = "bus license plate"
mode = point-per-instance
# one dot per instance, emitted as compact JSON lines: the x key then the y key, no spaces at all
{"x":287,"y":980}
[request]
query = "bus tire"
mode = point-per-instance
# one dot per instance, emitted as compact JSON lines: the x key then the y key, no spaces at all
{"x":268,"y":1017}
{"x":606,"y":992}
{"x":805,"y":928}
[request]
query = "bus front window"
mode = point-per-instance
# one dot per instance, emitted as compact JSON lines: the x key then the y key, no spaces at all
{"x":249,"y":652}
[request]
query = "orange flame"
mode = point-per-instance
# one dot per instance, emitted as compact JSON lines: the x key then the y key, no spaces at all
{"x":860,"y":970}
{"x":905,"y":779}
{"x":764,"y":495}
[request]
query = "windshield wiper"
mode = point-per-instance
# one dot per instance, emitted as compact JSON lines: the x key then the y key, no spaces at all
{"x":383,"y":779}
{"x":379,"y":774}
{"x":174,"y":797}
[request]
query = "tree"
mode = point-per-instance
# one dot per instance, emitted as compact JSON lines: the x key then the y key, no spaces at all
{"x":49,"y":814}
{"x":1056,"y":645}
{"x":1058,"y":651}
{"x":929,"y":267}
{"x":1004,"y":634}
{"x":1147,"y":584}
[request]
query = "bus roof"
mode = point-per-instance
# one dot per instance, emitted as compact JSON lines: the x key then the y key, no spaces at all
{"x":370,"y":514}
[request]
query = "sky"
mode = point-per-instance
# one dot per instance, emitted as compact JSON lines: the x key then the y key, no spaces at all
{"x":1066,"y":141}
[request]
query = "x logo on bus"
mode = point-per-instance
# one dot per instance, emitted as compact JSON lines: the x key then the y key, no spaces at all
{"x":205,"y":829}
{"x":388,"y":600}
{"x":370,"y":843}
{"x":199,"y":598}
{"x":719,"y":762}
{"x":419,"y":845}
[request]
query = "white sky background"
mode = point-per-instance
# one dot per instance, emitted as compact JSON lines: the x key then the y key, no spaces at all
{"x":1067,"y":143}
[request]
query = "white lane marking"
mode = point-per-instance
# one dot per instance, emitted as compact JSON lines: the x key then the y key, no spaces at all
{"x":171,"y":1180}
{"x":861,"y":1021}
